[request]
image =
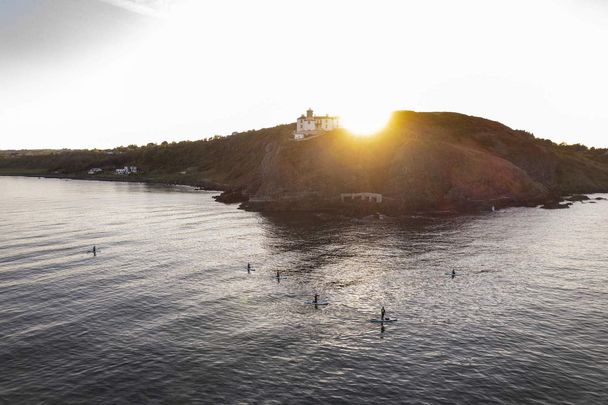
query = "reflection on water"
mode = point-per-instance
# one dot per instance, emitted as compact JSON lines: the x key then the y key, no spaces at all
{"x":167,"y":311}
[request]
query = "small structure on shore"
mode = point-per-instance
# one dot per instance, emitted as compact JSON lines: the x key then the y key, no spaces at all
{"x":369,"y":197}
{"x":127,"y":170}
{"x":95,"y":170}
{"x":310,"y":125}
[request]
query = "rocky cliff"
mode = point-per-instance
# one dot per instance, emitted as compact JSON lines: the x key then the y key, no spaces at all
{"x":421,"y":162}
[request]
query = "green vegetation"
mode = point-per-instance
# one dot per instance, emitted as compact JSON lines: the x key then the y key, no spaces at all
{"x":216,"y":161}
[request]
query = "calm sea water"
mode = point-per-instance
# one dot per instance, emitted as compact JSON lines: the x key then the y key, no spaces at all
{"x":166,"y":312}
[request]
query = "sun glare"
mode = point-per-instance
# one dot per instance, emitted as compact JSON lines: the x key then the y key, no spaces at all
{"x":365,"y":123}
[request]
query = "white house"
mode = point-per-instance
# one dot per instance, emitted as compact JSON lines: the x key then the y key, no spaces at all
{"x":95,"y":170}
{"x":127,"y":170}
{"x":314,"y":125}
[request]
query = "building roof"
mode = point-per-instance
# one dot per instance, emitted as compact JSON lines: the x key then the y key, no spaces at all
{"x":318,"y":117}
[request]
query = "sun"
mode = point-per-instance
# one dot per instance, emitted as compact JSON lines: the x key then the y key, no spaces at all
{"x":365,"y":123}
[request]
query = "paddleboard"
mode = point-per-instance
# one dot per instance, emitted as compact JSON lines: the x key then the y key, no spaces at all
{"x":389,"y":320}
{"x":317,"y":303}
{"x":280,"y":277}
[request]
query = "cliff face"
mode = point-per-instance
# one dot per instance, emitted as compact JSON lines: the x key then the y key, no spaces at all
{"x":423,"y":161}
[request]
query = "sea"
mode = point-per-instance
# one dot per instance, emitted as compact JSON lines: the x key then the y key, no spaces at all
{"x":166,"y":311}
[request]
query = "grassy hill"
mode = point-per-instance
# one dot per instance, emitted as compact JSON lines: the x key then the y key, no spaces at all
{"x":427,"y":161}
{"x":218,"y":162}
{"x":420,"y":161}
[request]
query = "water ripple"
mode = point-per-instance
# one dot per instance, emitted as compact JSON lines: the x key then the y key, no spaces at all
{"x":167,"y":313}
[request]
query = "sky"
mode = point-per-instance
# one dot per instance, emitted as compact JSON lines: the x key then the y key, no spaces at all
{"x":99,"y":74}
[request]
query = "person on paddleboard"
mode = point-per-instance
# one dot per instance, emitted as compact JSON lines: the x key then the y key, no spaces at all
{"x":278,"y":274}
{"x":382,"y":312}
{"x":94,"y":251}
{"x":453,"y":273}
{"x":248,"y":267}
{"x":316,"y":300}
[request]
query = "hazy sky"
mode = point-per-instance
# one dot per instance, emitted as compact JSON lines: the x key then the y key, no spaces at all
{"x":91,"y":73}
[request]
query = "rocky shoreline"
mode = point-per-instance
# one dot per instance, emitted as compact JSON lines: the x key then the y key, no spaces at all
{"x":333,"y":209}
{"x":198,"y":184}
{"x":370,"y":210}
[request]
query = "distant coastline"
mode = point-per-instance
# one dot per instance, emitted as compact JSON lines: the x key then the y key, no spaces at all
{"x":421,"y":162}
{"x":121,"y":179}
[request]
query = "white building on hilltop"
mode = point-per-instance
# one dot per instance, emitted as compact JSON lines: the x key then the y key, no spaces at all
{"x":310,"y":125}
